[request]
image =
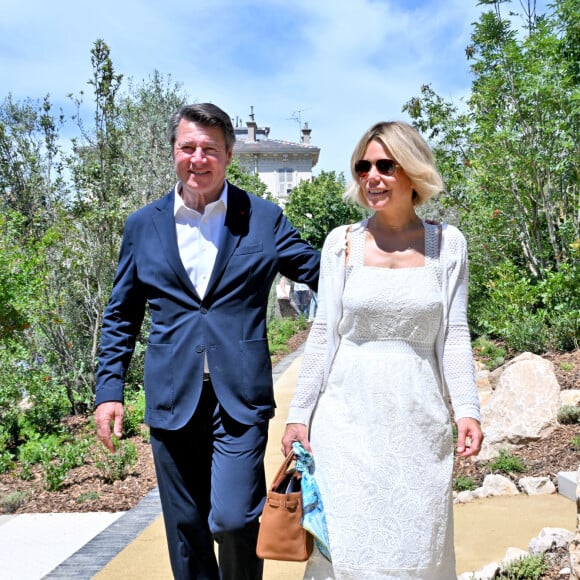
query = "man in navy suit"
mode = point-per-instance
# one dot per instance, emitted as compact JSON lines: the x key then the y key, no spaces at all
{"x":202,"y":259}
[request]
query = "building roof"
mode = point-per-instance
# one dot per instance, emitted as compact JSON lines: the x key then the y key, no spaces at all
{"x":276,"y":147}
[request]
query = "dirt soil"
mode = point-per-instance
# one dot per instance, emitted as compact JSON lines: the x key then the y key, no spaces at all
{"x":85,"y":490}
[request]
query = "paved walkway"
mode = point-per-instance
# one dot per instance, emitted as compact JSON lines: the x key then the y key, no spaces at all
{"x":131,"y":546}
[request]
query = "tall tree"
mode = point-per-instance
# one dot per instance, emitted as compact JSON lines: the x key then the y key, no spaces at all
{"x":316,"y":207}
{"x":510,"y":157}
{"x":145,"y":110}
{"x":31,"y":169}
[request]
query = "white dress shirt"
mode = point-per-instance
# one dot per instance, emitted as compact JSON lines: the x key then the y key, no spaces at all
{"x":198,"y":237}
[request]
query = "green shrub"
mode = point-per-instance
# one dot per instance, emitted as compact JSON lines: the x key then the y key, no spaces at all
{"x":280,"y":330}
{"x":48,"y":404}
{"x":561,"y":299}
{"x":527,"y":313}
{"x":39,"y":449}
{"x":511,"y":309}
{"x":6,"y":461}
{"x":507,"y":463}
{"x":525,"y":568}
{"x":12,"y":501}
{"x":490,"y":353}
{"x":134,"y":413}
{"x":568,"y":414}
{"x":88,"y":496}
{"x":464,"y":483}
{"x":116,"y":466}
{"x":57,"y":454}
{"x":69,"y":456}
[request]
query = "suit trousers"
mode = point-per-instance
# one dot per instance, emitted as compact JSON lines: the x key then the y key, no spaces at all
{"x":212,"y":486}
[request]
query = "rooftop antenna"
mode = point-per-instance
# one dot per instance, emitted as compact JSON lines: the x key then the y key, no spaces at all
{"x":297,"y":116}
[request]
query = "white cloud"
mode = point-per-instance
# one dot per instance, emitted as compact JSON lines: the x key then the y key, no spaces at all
{"x":343,"y":65}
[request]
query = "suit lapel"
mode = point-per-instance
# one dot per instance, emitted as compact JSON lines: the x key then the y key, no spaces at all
{"x":236,"y":225}
{"x":164,"y":223}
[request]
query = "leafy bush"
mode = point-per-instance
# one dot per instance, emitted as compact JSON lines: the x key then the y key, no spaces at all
{"x":116,"y":466}
{"x":134,"y":413}
{"x":507,"y":463}
{"x":39,"y":449}
{"x":88,"y":496}
{"x":6,"y":461}
{"x":560,"y":294}
{"x":510,"y":309}
{"x":529,"y":314}
{"x":69,"y":456}
{"x":568,"y":414}
{"x":464,"y":483}
{"x":280,"y":330}
{"x":47,"y":403}
{"x":491,"y":354}
{"x":12,"y":501}
{"x":57,"y":454}
{"x":525,"y":568}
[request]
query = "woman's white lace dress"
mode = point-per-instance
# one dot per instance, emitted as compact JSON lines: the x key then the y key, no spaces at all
{"x":381,"y":431}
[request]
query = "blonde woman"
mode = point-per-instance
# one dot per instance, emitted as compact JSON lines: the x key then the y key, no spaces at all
{"x":388,"y":350}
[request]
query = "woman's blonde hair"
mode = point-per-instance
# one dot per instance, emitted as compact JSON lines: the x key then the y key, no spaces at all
{"x":409,"y":150}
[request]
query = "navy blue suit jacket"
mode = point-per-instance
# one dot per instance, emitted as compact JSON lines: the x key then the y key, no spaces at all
{"x":228,"y":324}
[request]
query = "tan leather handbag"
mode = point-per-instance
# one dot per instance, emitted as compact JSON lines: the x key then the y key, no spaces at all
{"x":281,"y":535}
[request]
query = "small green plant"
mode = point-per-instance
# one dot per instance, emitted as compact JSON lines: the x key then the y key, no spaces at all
{"x":491,"y":355}
{"x":117,"y":466}
{"x":134,"y":413}
{"x":464,"y":483}
{"x":566,"y":366}
{"x":69,"y":456}
{"x":37,"y":450}
{"x":575,"y":443}
{"x":6,"y":461}
{"x":11,"y":502}
{"x":507,"y":463}
{"x":569,"y":414}
{"x":55,"y":473}
{"x":88,"y":496}
{"x":525,"y":568}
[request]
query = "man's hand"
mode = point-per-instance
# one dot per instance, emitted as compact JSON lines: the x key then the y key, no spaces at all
{"x":295,"y":432}
{"x":105,"y":414}
{"x":469,"y":437}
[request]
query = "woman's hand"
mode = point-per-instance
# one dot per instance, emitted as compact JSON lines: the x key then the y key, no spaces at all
{"x":469,"y":437}
{"x":295,"y":432}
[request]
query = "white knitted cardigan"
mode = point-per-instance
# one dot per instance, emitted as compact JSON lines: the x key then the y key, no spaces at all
{"x":454,"y":354}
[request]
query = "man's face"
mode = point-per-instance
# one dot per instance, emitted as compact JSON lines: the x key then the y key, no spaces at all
{"x":201,"y":159}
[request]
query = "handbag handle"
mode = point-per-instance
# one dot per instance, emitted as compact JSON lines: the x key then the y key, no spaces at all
{"x":283,"y":470}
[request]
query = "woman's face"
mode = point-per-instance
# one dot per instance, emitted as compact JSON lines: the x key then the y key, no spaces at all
{"x":384,"y":189}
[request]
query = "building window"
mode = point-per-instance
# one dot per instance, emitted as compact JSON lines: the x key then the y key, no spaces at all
{"x":285,"y":181}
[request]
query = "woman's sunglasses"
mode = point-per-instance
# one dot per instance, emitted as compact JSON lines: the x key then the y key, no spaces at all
{"x":384,"y":166}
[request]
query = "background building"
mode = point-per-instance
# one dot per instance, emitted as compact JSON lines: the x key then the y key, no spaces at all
{"x":281,"y":165}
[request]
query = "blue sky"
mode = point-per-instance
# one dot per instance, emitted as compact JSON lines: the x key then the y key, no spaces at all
{"x":343,"y":65}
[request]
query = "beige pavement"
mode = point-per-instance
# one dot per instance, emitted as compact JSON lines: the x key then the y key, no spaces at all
{"x":483,"y":529}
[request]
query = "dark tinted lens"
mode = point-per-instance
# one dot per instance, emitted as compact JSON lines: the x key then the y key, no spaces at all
{"x":386,"y":166}
{"x":362,"y":166}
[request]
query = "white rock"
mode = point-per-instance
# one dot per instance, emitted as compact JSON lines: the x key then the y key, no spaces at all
{"x":523,"y":406}
{"x":495,"y":484}
{"x":550,"y":538}
{"x":537,"y":485}
{"x":464,"y":497}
